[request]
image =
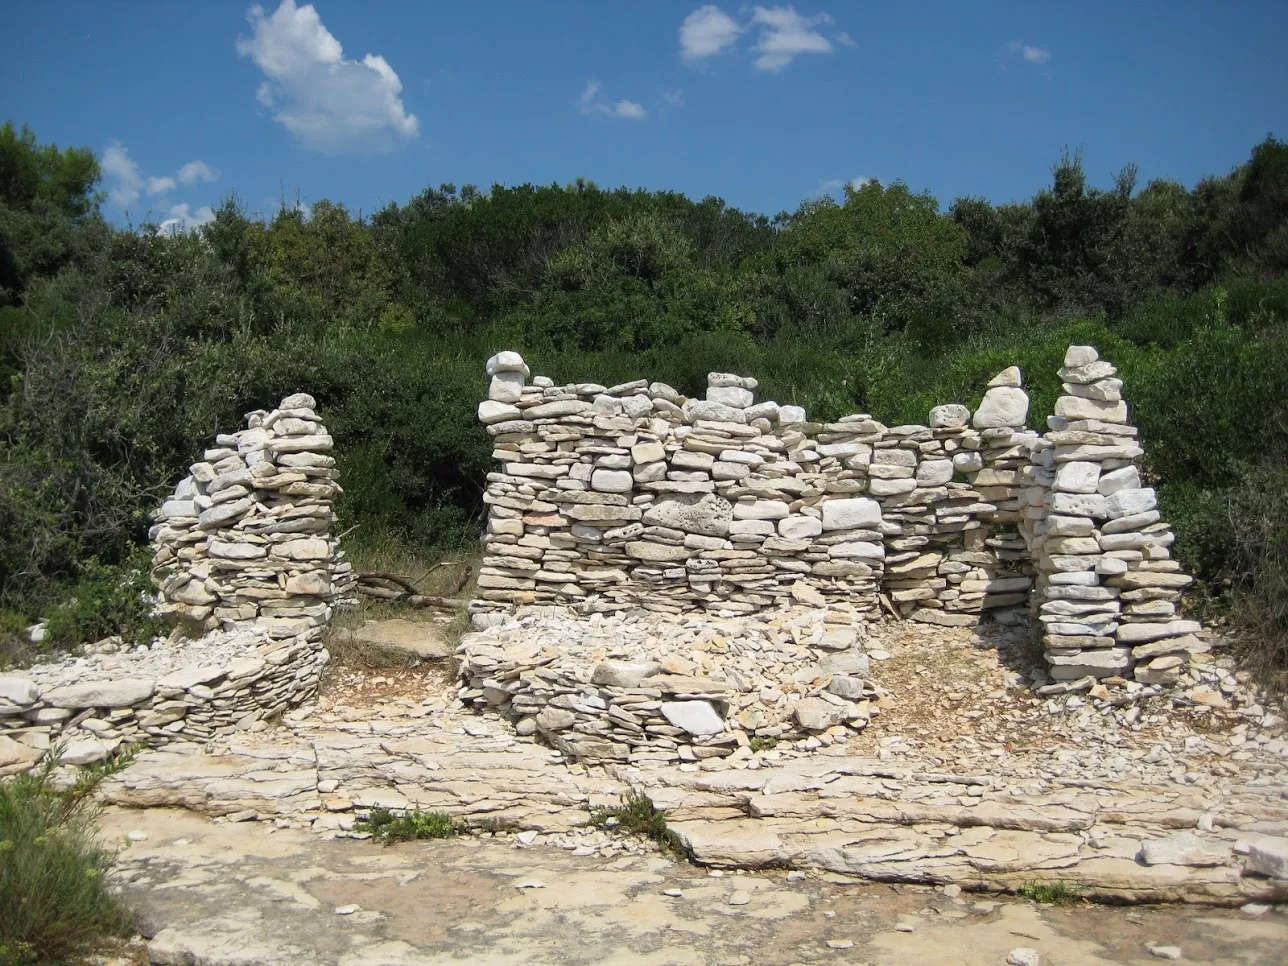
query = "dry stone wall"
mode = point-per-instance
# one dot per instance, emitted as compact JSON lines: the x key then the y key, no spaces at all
{"x":245,"y":540}
{"x":633,"y":496}
{"x":90,"y":706}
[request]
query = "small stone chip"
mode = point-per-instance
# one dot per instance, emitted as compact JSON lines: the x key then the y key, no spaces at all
{"x":740,"y":898}
{"x":530,"y":884}
{"x":1165,"y":952}
{"x":137,"y":836}
{"x":1023,"y":956}
{"x":348,"y":910}
{"x":673,"y":893}
{"x":840,"y":943}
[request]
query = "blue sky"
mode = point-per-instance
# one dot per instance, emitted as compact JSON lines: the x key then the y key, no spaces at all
{"x":367,"y":103}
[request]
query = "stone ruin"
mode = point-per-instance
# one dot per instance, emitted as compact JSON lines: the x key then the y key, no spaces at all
{"x":245,"y":540}
{"x":634,"y":497}
{"x":245,"y":556}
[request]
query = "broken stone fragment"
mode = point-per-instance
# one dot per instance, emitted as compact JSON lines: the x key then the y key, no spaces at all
{"x":815,"y":714}
{"x":693,"y":717}
{"x":623,"y":674}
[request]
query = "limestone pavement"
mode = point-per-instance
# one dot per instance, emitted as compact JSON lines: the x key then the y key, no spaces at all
{"x":1177,"y":798}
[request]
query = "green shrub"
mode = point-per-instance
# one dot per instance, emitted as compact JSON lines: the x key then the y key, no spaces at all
{"x":389,"y":828}
{"x":107,"y":600}
{"x":1256,"y":518}
{"x":55,"y":903}
{"x":1050,"y":893}
{"x":638,"y":815}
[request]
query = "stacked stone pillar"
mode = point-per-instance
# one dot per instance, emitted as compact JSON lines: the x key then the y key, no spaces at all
{"x":245,"y":540}
{"x":1108,"y":591}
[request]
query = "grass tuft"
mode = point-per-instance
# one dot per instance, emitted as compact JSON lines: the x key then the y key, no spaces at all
{"x":638,"y":815}
{"x":1050,"y":893}
{"x":389,"y":828}
{"x":55,"y":904}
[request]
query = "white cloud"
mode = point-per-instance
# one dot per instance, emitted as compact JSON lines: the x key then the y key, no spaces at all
{"x":673,"y":98}
{"x":592,"y":103}
{"x":126,"y":182}
{"x":121,"y":173}
{"x":1018,"y":49}
{"x":831,"y":186}
{"x":785,"y":34}
{"x":330,"y":104}
{"x":195,"y":171}
{"x":183,"y":218}
{"x":706,"y":32}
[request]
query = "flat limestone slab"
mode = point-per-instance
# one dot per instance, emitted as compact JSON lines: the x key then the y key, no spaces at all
{"x":417,"y":638}
{"x":234,"y":894}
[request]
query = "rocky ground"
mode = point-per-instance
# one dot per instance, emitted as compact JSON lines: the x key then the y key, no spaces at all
{"x":965,"y":777}
{"x":246,"y":894}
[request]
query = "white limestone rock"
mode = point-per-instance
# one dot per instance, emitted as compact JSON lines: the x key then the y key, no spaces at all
{"x":491,"y":411}
{"x":1080,"y":355}
{"x":121,"y":693}
{"x":1009,"y":377}
{"x":723,"y":380}
{"x":623,"y":674}
{"x":934,"y":472}
{"x":815,"y":714}
{"x":1077,"y":476}
{"x":761,"y":510}
{"x":612,"y":481}
{"x":799,"y":527}
{"x":1268,"y":856}
{"x":1125,"y":478}
{"x":507,"y":361}
{"x":707,"y":514}
{"x":18,"y":692}
{"x":1078,"y":407}
{"x":693,"y":717}
{"x":1002,"y":406}
{"x":950,"y":416}
{"x":733,"y":396}
{"x":506,"y":387}
{"x":859,"y":513}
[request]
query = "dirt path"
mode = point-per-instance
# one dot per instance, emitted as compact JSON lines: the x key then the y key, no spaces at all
{"x":224,"y":894}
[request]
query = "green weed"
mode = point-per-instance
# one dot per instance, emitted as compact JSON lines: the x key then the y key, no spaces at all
{"x":1050,"y":893}
{"x":389,"y":828}
{"x":638,"y":815}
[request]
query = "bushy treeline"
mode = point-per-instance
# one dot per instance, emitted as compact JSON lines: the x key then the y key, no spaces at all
{"x":122,"y":351}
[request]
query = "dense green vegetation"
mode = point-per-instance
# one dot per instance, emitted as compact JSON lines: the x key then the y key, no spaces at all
{"x":55,"y":901}
{"x":122,"y":351}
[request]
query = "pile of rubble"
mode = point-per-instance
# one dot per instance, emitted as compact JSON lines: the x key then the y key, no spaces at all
{"x":648,"y":688}
{"x":173,"y":691}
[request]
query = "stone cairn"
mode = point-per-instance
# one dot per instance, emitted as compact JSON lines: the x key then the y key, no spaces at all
{"x":245,"y":540}
{"x":1108,"y":590}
